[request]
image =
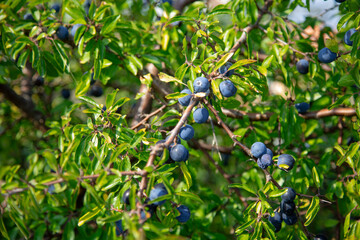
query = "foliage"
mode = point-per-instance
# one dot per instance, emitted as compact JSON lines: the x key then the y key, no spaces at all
{"x":65,"y":163}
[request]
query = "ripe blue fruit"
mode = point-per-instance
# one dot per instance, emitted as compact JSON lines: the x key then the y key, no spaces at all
{"x":65,"y":93}
{"x":340,"y":1}
{"x":287,"y":207}
{"x":348,"y":35}
{"x":56,"y":7}
{"x":74,"y":29}
{"x":201,"y":84}
{"x":302,"y":107}
{"x":276,"y":221}
{"x":289,"y":219}
{"x":158,"y":192}
{"x":125,"y":197}
{"x":258,"y":149}
{"x":320,"y":237}
{"x":325,"y":55}
{"x":289,"y":196}
{"x":302,"y":66}
{"x":119,"y":228}
{"x":260,"y":164}
{"x":285,"y":162}
{"x":201,"y":115}
{"x":224,"y":68}
{"x":51,"y":189}
{"x":39,"y":81}
{"x":168,"y":1}
{"x":29,"y":17}
{"x":96,"y":91}
{"x":179,"y":153}
{"x":266,"y":160}
{"x":268,"y":151}
{"x":185,"y":101}
{"x":184,"y":213}
{"x":186,"y":132}
{"x":227,"y":88}
{"x":62,"y":33}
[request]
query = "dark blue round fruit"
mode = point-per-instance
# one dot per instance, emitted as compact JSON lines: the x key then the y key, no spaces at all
{"x":179,"y":153}
{"x":289,"y":196}
{"x":266,"y":160}
{"x":157,"y":192}
{"x":185,"y":101}
{"x":287,"y":207}
{"x":201,"y":115}
{"x":227,"y":88}
{"x":184,"y":213}
{"x":62,"y":33}
{"x":289,"y":219}
{"x":325,"y":55}
{"x":302,"y":107}
{"x":276,"y":220}
{"x":56,"y":7}
{"x":268,"y":151}
{"x":186,"y":132}
{"x":201,"y":84}
{"x":65,"y":93}
{"x":168,"y":1}
{"x":348,"y":35}
{"x":258,"y":149}
{"x":320,"y":237}
{"x":119,"y":228}
{"x":28,"y":17}
{"x":96,"y":91}
{"x":302,"y":66}
{"x":74,"y":29}
{"x":224,"y":69}
{"x":260,"y":164}
{"x":125,"y":197}
{"x":340,"y":1}
{"x":286,"y":162}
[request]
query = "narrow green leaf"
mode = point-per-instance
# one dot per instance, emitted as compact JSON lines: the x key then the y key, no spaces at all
{"x":189,"y":195}
{"x":187,"y":174}
{"x":166,"y":78}
{"x":243,"y":186}
{"x":278,"y":192}
{"x":222,"y":61}
{"x":243,"y":227}
{"x":316,"y":177}
{"x":241,"y":63}
{"x":175,"y":95}
{"x":89,"y":215}
{"x":313,"y":210}
{"x":3,"y":229}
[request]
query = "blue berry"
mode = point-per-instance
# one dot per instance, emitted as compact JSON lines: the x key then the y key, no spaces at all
{"x":260,"y":164}
{"x":179,"y":153}
{"x":325,"y":55}
{"x":201,"y":84}
{"x":65,"y":93}
{"x":96,"y":91}
{"x":268,"y":151}
{"x":125,"y":197}
{"x":185,"y":101}
{"x":62,"y":33}
{"x":184,"y":213}
{"x":187,"y":132}
{"x":227,"y":88}
{"x":56,"y":7}
{"x":258,"y":149}
{"x":302,"y":66}
{"x":287,"y":207}
{"x":158,"y":192}
{"x":289,"y":196}
{"x":119,"y":228}
{"x":286,"y":162}
{"x":348,"y":35}
{"x":224,"y":68}
{"x":266,"y":160}
{"x":302,"y":107}
{"x":201,"y":115}
{"x":74,"y":29}
{"x":289,"y":219}
{"x":29,"y":17}
{"x":276,"y":221}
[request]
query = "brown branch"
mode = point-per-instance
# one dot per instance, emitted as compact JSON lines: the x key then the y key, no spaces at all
{"x":143,"y":106}
{"x":149,"y":116}
{"x":24,"y":105}
{"x":124,"y":173}
{"x":159,"y":147}
{"x":201,"y":145}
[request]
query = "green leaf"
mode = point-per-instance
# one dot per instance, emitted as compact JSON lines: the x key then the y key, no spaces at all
{"x":89,"y":101}
{"x":189,"y":195}
{"x":89,"y":215}
{"x":161,"y":198}
{"x":137,"y":138}
{"x":243,"y":227}
{"x":20,"y":224}
{"x":110,"y":98}
{"x":241,"y":63}
{"x":278,"y":192}
{"x":83,"y":85}
{"x":347,"y":224}
{"x":166,"y":78}
{"x":3,"y":229}
{"x":223,"y":60}
{"x":179,"y":18}
{"x":121,"y":102}
{"x":110,"y":24}
{"x":316,"y":177}
{"x":346,"y":81}
{"x":187,"y":174}
{"x":242,"y":186}
{"x":312,"y":211}
{"x":344,"y":19}
{"x":219,"y":10}
{"x":175,"y":95}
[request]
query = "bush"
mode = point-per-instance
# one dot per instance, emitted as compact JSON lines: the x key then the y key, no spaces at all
{"x":74,"y":144}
